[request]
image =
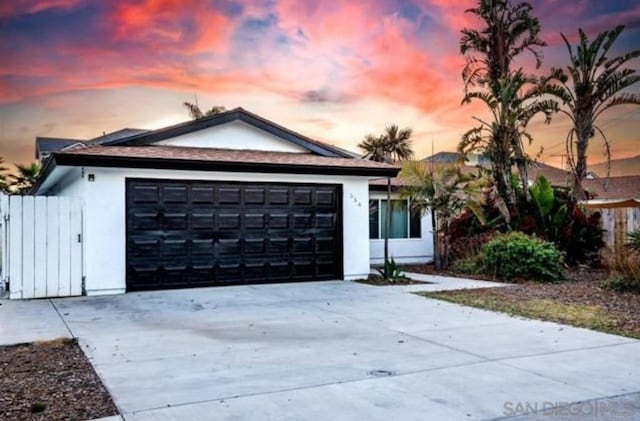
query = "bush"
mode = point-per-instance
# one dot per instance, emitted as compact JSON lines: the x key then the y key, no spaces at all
{"x":625,"y":270}
{"x":634,"y":240}
{"x":470,"y":246}
{"x":467,"y":265}
{"x":519,"y":256}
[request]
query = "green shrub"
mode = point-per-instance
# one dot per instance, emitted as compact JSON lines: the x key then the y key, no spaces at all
{"x":467,"y":265}
{"x":634,"y":240}
{"x":519,"y":256}
{"x":625,"y":270}
{"x":621,"y":284}
{"x":391,"y":270}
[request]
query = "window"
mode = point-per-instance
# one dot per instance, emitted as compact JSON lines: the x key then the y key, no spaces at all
{"x":405,"y":223}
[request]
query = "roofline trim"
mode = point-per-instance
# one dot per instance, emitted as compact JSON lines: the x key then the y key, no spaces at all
{"x":227,"y":117}
{"x":85,"y":160}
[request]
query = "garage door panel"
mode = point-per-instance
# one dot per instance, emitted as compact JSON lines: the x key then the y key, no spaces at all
{"x":255,"y":196}
{"x":229,"y":195}
{"x":175,"y":194}
{"x":229,"y":221}
{"x":202,"y":221}
{"x":143,"y":193}
{"x":193,"y":233}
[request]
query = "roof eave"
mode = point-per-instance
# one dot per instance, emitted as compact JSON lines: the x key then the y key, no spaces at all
{"x":210,"y":165}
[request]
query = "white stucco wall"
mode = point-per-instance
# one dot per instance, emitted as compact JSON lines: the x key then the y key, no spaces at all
{"x":105,"y":229}
{"x":410,"y":250}
{"x":233,"y":135}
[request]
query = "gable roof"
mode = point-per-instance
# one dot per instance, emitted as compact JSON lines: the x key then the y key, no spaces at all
{"x":118,"y":134}
{"x":47,"y":145}
{"x":153,"y":136}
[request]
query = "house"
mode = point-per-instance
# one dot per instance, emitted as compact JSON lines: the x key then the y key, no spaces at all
{"x":618,"y":201}
{"x":228,"y":199}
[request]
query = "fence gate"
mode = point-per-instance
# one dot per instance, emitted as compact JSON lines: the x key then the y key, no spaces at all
{"x":41,"y":246}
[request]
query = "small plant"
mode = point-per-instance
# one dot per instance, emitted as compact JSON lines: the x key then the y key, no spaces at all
{"x":625,"y":270}
{"x":634,"y":240}
{"x":519,"y":256}
{"x":468,"y":265}
{"x":391,"y":270}
{"x":38,"y":407}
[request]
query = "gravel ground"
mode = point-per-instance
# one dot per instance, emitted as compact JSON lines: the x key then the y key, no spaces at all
{"x":50,"y":381}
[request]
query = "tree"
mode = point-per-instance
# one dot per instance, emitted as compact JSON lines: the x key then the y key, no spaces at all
{"x":196,"y":113}
{"x":513,"y":102}
{"x":508,"y":31}
{"x":23,"y":181}
{"x":4,"y":178}
{"x":592,"y":84}
{"x":392,"y":146}
{"x":440,"y":191}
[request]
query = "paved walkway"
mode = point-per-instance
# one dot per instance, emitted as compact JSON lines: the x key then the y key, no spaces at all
{"x":329,"y":350}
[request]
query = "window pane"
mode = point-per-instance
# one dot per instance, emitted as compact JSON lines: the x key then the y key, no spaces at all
{"x":399,"y":221}
{"x":415,"y":224}
{"x":374,"y":231}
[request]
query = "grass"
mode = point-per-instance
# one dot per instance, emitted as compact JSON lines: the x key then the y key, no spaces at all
{"x":588,"y":316}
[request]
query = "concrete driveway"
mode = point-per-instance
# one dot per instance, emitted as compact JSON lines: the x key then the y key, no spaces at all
{"x":339,"y":351}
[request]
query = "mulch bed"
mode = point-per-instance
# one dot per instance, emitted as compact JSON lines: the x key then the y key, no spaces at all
{"x":50,"y":381}
{"x":582,"y":288}
{"x":380,"y":281}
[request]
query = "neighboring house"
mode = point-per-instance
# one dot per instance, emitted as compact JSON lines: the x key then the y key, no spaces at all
{"x":618,"y":200}
{"x":227,"y":199}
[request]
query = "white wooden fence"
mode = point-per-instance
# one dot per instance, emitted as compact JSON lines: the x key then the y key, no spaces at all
{"x":41,"y":246}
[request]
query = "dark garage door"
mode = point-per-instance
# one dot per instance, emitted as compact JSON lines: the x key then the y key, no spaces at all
{"x":183,"y":234}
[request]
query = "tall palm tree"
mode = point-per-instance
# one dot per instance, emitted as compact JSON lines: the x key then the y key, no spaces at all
{"x":593,"y":83}
{"x":23,"y":181}
{"x":508,"y":31}
{"x":513,"y":103}
{"x":196,"y":113}
{"x":392,"y":146}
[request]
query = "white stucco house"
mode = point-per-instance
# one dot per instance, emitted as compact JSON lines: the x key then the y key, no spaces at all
{"x":228,"y":199}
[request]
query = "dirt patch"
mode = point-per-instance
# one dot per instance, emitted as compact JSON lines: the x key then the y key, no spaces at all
{"x":582,"y":301}
{"x":430,"y":269}
{"x":380,"y":281}
{"x":50,"y":381}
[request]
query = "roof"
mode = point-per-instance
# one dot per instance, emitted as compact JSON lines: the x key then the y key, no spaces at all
{"x":618,"y":188}
{"x":454,"y":157}
{"x":118,"y":134}
{"x":46,"y":145}
{"x":210,"y":159}
{"x":153,"y":136}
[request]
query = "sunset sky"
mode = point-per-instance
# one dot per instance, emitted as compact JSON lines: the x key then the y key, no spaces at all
{"x":332,"y":70}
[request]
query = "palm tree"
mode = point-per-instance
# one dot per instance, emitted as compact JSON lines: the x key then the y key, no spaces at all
{"x":512,"y":106}
{"x":509,"y":30}
{"x":4,"y":182}
{"x":196,"y":113}
{"x":392,"y":146}
{"x":592,"y":85}
{"x":441,"y":191}
{"x":22,"y":182}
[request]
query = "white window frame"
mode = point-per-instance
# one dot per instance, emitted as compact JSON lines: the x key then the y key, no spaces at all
{"x":408,"y":237}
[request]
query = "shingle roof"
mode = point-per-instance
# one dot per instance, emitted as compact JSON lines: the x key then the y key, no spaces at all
{"x":217,"y":157}
{"x":626,"y":187}
{"x":118,"y":134}
{"x":46,"y":145}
